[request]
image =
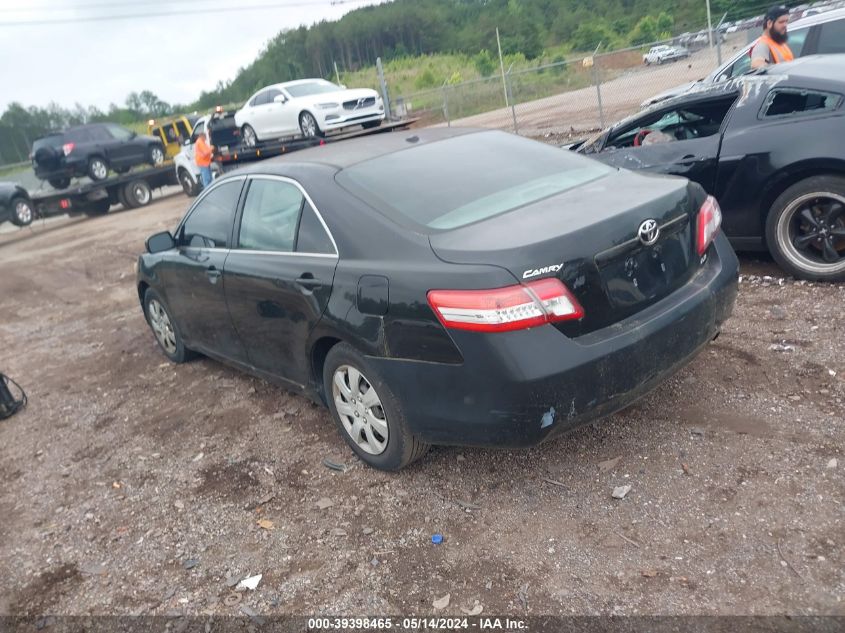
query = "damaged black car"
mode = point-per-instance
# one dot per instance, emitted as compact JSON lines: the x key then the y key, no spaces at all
{"x":768,"y":146}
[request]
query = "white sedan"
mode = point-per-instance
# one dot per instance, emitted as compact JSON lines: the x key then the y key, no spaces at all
{"x":307,"y":106}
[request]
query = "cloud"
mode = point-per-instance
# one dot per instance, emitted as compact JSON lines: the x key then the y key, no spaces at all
{"x":176,"y":57}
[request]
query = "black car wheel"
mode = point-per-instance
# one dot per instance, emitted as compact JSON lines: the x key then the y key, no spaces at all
{"x":250,"y":138}
{"x":805,"y":229}
{"x":164,"y":328}
{"x":156,"y":155}
{"x":22,"y":212}
{"x":367,"y":414}
{"x":189,"y":185}
{"x":308,"y":125}
{"x":59,"y":183}
{"x":137,"y":194}
{"x":98,"y":169}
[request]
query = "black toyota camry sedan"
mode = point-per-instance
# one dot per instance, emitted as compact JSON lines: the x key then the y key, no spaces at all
{"x":444,"y":286}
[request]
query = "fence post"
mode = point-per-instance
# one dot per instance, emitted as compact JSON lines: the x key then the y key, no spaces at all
{"x":509,"y":92}
{"x":446,"y":105}
{"x":597,"y":81}
{"x":384,"y":95}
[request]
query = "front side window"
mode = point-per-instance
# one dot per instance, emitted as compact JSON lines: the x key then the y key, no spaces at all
{"x":199,"y":129}
{"x":698,"y":120}
{"x":270,"y":216}
{"x":210,"y":221}
{"x":787,"y":101}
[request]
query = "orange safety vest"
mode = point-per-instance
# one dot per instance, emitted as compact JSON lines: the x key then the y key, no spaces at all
{"x":780,"y":52}
{"x":202,"y":152}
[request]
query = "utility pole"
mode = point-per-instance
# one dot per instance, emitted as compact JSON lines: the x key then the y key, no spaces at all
{"x":502,"y":66}
{"x":709,"y":25}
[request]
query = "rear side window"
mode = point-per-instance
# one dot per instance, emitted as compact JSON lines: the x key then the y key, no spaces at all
{"x":832,"y":37}
{"x":99,"y":134}
{"x":54,"y":140}
{"x":79,"y":135}
{"x":785,"y":101}
{"x":120,"y":133}
{"x":312,"y":236}
{"x":210,"y":222}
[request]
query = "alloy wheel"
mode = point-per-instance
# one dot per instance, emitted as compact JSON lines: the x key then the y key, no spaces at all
{"x":308,"y":125}
{"x":360,"y":409}
{"x":162,"y":327}
{"x":812,"y":232}
{"x":157,"y":156}
{"x":249,"y":137}
{"x":99,"y":169}
{"x":23,"y":211}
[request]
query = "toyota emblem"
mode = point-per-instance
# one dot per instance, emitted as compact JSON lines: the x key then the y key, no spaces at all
{"x":648,"y":232}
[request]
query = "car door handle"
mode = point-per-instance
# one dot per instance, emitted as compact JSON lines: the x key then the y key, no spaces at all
{"x":213,"y":274}
{"x":308,"y":282}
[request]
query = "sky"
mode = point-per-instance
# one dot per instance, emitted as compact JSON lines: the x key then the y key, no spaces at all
{"x":176,"y":57}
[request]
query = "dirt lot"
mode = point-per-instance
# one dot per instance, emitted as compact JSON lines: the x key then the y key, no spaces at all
{"x":133,"y":486}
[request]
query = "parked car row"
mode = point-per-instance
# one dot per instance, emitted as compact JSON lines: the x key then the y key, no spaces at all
{"x":662,"y":54}
{"x":820,"y":34}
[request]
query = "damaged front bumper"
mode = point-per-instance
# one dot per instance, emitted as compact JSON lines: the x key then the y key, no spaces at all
{"x":516,"y":389}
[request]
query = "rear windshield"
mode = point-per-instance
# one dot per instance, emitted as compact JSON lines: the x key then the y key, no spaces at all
{"x":53,"y":140}
{"x":449,"y":184}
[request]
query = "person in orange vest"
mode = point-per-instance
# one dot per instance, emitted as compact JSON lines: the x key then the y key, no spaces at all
{"x":203,"y":153}
{"x":772,"y":48}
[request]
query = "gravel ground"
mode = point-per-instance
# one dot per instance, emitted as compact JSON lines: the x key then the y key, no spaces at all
{"x":133,"y":486}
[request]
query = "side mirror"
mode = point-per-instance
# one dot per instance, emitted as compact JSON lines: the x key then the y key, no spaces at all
{"x":160,"y":242}
{"x":280,"y":99}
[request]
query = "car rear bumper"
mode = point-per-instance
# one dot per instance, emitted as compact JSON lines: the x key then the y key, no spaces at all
{"x":516,"y":389}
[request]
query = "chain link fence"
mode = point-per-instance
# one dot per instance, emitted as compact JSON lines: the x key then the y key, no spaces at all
{"x":573,"y":97}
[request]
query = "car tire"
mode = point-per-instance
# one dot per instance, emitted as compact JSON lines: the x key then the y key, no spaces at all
{"x":308,"y":126}
{"x":97,"y":207}
{"x":805,"y":228}
{"x":23,"y":212}
{"x":395,"y":451}
{"x":248,"y":135}
{"x":59,"y":183}
{"x":137,"y":194}
{"x":189,"y":184}
{"x":98,"y":168}
{"x":165,"y":330}
{"x":369,"y":125}
{"x":156,"y":155}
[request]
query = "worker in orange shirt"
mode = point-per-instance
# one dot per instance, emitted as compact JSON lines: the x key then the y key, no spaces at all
{"x":203,"y":153}
{"x":772,"y":48}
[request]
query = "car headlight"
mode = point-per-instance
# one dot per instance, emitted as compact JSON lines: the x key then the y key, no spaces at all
{"x":328,"y":106}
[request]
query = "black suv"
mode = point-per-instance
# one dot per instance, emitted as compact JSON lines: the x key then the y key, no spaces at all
{"x":91,"y":150}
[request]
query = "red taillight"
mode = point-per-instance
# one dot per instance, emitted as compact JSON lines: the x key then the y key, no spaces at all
{"x":505,"y":309}
{"x":67,"y":148}
{"x":709,"y":221}
{"x":64,"y":203}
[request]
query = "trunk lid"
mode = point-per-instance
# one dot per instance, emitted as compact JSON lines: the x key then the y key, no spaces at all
{"x":589,"y":238}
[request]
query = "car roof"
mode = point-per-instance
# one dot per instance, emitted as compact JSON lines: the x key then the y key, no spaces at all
{"x":821,"y":72}
{"x":357,"y":150}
